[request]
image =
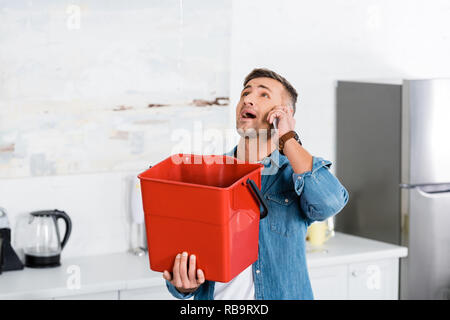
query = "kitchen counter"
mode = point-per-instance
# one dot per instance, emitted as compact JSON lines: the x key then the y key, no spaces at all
{"x":124,"y":271}
{"x":102,"y":273}
{"x":344,"y":248}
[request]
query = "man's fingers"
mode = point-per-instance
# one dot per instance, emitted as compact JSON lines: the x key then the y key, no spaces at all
{"x":192,"y":268}
{"x":182,"y":278}
{"x":270,"y":116}
{"x":183,"y":270}
{"x":275,"y":110}
{"x":200,"y":276}
{"x":167,"y":276}
{"x":176,"y":272}
{"x":275,"y":114}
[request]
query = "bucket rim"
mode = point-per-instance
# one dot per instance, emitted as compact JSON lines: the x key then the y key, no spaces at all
{"x":258,"y":166}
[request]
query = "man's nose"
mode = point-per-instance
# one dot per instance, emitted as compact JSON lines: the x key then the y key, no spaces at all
{"x":248,"y":101}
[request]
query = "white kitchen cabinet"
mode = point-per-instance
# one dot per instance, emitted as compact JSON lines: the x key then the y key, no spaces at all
{"x":109,"y":295}
{"x":373,"y":280}
{"x":329,"y":283}
{"x":158,"y":291}
{"x":355,"y":268}
{"x":153,"y":293}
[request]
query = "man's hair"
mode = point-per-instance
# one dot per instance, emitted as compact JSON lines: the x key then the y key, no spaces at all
{"x":266,"y":73}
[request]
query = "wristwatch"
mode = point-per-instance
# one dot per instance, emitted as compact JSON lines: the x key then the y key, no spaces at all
{"x":285,"y":137}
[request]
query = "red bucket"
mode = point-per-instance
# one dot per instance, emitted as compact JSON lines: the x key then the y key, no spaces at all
{"x":205,"y":205}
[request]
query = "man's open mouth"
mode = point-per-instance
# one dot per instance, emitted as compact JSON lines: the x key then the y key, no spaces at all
{"x":248,"y":114}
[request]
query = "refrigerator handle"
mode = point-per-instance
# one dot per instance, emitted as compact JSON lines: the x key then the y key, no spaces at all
{"x":430,"y":190}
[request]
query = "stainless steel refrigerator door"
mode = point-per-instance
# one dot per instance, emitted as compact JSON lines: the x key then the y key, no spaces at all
{"x":427,"y":269}
{"x":425,"y":131}
{"x":368,"y":142}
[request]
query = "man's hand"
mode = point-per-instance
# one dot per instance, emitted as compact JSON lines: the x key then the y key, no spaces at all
{"x":286,"y":121}
{"x":184,"y":280}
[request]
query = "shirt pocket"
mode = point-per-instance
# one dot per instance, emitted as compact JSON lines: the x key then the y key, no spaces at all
{"x":282,"y":208}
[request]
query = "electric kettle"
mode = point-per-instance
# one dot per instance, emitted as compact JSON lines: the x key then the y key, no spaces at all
{"x":41,"y":241}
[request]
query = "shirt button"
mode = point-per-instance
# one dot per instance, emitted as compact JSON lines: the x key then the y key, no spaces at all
{"x":257,"y":271}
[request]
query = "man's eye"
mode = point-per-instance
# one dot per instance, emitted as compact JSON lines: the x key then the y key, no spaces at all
{"x":245,"y":93}
{"x":265,"y":94}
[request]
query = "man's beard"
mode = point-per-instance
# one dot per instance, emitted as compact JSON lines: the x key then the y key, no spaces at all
{"x":253,"y":133}
{"x":258,"y":141}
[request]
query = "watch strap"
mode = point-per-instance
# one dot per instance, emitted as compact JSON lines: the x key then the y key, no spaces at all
{"x":285,"y":137}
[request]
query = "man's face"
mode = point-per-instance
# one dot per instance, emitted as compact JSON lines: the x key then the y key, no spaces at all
{"x":258,"y":98}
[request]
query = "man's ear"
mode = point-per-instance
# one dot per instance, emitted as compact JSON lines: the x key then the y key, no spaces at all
{"x":291,"y":108}
{"x":288,"y":102}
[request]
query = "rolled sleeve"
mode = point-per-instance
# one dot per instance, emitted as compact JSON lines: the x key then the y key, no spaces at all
{"x":177,"y":294}
{"x":321,"y":193}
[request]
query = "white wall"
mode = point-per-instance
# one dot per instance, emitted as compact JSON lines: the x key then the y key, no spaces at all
{"x":315,"y":43}
{"x":76,"y":80}
{"x":65,"y":71}
{"x":96,"y":203}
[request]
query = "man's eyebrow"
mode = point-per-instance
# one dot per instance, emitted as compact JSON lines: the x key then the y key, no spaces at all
{"x":260,"y":86}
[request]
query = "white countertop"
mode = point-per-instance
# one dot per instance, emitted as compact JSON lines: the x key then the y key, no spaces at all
{"x":344,"y":248}
{"x":111,"y":272}
{"x":122,"y":271}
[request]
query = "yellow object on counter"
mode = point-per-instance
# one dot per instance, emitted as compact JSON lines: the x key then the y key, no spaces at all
{"x":318,"y":233}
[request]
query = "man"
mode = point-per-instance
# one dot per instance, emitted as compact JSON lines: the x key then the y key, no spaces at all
{"x":300,"y":191}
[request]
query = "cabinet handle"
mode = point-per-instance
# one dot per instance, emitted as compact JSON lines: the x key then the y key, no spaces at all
{"x":355,"y":273}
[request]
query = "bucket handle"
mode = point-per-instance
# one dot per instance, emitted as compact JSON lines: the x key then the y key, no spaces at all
{"x":261,"y":199}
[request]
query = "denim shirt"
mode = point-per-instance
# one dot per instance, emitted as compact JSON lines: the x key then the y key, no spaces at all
{"x":295,"y":201}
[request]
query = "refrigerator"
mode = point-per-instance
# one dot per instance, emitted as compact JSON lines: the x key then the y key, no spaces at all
{"x":393,"y":156}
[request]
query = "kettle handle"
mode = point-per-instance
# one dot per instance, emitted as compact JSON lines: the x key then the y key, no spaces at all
{"x":260,"y":197}
{"x":68,"y":222}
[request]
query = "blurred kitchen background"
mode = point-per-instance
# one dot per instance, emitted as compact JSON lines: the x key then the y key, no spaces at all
{"x":91,"y":91}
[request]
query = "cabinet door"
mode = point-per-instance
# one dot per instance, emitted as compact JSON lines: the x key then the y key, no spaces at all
{"x":373,"y":280}
{"x":329,"y":283}
{"x":151,"y":293}
{"x":109,"y":295}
